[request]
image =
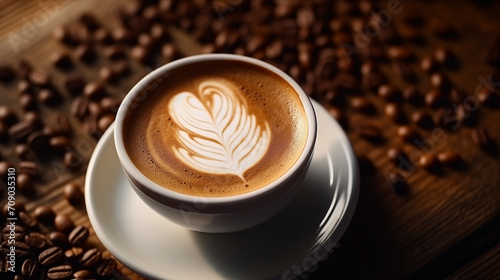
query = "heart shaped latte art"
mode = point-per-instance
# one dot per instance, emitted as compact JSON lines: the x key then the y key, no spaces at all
{"x":216,"y":132}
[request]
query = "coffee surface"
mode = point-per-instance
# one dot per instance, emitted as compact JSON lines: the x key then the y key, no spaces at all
{"x":216,"y":129}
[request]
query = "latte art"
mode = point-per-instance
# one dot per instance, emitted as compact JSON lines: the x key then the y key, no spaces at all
{"x":216,"y":132}
{"x":216,"y":129}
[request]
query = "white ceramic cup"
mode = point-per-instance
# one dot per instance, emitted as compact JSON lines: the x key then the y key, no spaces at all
{"x":214,"y":214}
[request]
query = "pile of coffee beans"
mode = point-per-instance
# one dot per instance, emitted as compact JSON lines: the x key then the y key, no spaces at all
{"x":49,"y":245}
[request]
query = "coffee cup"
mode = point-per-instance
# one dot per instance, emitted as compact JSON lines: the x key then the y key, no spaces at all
{"x":216,"y":142}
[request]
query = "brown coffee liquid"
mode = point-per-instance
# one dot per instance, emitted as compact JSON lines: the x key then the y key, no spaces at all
{"x":216,"y":129}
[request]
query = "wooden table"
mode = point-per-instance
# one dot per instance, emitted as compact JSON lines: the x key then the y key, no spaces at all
{"x":446,"y":226}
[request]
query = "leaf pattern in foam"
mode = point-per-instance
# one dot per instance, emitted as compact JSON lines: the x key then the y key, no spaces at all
{"x":216,"y":132}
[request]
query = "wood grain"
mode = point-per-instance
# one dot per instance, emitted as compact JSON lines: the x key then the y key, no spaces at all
{"x":427,"y":233}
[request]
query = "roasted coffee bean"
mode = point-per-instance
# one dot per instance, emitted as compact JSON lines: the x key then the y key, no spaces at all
{"x":105,"y":121}
{"x":4,"y":172}
{"x":369,"y":132}
{"x":38,"y":141}
{"x":39,"y":77}
{"x":25,"y":184}
{"x":85,"y":53}
{"x":140,"y":54}
{"x":25,"y":86}
{"x":94,"y":90}
{"x":29,"y":167}
{"x":74,"y":195}
{"x":74,"y":84}
{"x":58,"y":239}
{"x":16,"y":231}
{"x":389,"y":93}
{"x":33,"y":118}
{"x":114,"y":52}
{"x":44,"y":214}
{"x":106,"y":267}
{"x":480,"y":137}
{"x":23,"y":68}
{"x":22,"y":250}
{"x":449,"y":157}
{"x":434,"y":98}
{"x":413,"y":96}
{"x":28,"y":102}
{"x":71,"y":160}
{"x":396,"y":155}
{"x":107,"y":74}
{"x":403,"y":71}
{"x":411,"y":34}
{"x":103,"y":36}
{"x":110,"y":104}
{"x":60,"y":272}
{"x":49,"y":97}
{"x":21,"y":150}
{"x":362,"y":104}
{"x":37,"y":241}
{"x":90,"y":258}
{"x":30,"y":269}
{"x":7,"y":115}
{"x":422,"y":119}
{"x":83,"y":274}
{"x":440,"y":81}
{"x":407,"y":133}
{"x":429,"y":65}
{"x":27,"y":220}
{"x":79,"y":107}
{"x":61,"y":60}
{"x":95,"y":109}
{"x":487,"y":97}
{"x":61,"y":124}
{"x":51,"y":256}
{"x":394,"y":112}
{"x":446,"y":58}
{"x":73,"y":253}
{"x":400,"y":53}
{"x":63,"y":223}
{"x":428,"y":162}
{"x":20,"y":131}
{"x":120,"y":67}
{"x":396,"y":183}
{"x":60,"y":144}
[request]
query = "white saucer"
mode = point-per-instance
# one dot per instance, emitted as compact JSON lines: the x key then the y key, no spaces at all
{"x":297,"y":238}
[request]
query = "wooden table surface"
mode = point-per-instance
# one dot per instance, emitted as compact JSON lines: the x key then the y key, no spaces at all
{"x":447,"y":226}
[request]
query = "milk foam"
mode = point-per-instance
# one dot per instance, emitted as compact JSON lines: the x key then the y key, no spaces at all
{"x":216,"y":133}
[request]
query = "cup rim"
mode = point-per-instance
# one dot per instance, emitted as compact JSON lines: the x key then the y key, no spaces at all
{"x":158,"y":192}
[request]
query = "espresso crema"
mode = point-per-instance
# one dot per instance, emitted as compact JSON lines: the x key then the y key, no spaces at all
{"x":216,"y":129}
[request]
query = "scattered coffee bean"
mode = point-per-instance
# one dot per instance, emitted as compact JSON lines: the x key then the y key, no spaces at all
{"x":487,"y":97}
{"x":59,"y":144}
{"x":51,"y":256}
{"x":58,"y":239}
{"x":73,"y":253}
{"x":59,"y":272}
{"x":19,"y":132}
{"x":79,"y":107}
{"x":21,"y":150}
{"x":439,"y":80}
{"x":44,"y":214}
{"x":17,"y":232}
{"x":90,"y":258}
{"x":74,"y":195}
{"x":369,"y":132}
{"x":25,"y":184}
{"x":449,"y":157}
{"x":61,"y":60}
{"x":362,"y":104}
{"x":105,"y":121}
{"x":28,"y":102}
{"x":38,"y":141}
{"x":74,"y":84}
{"x":4,"y":170}
{"x":446,"y":58}
{"x":63,"y":223}
{"x":389,"y":93}
{"x":434,"y":98}
{"x":422,"y":119}
{"x":428,"y":162}
{"x":30,"y":269}
{"x":400,"y":53}
{"x":394,"y":112}
{"x":49,"y":97}
{"x":407,"y":133}
{"x":480,"y":137}
{"x":106,"y":267}
{"x":37,"y":241}
{"x":413,"y":96}
{"x":83,"y":274}
{"x":29,"y":167}
{"x":94,"y":91}
{"x":396,"y":155}
{"x":27,"y":220}
{"x":39,"y":77}
{"x":429,"y":65}
{"x":71,"y":160}
{"x":403,"y":71}
{"x":85,"y":53}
